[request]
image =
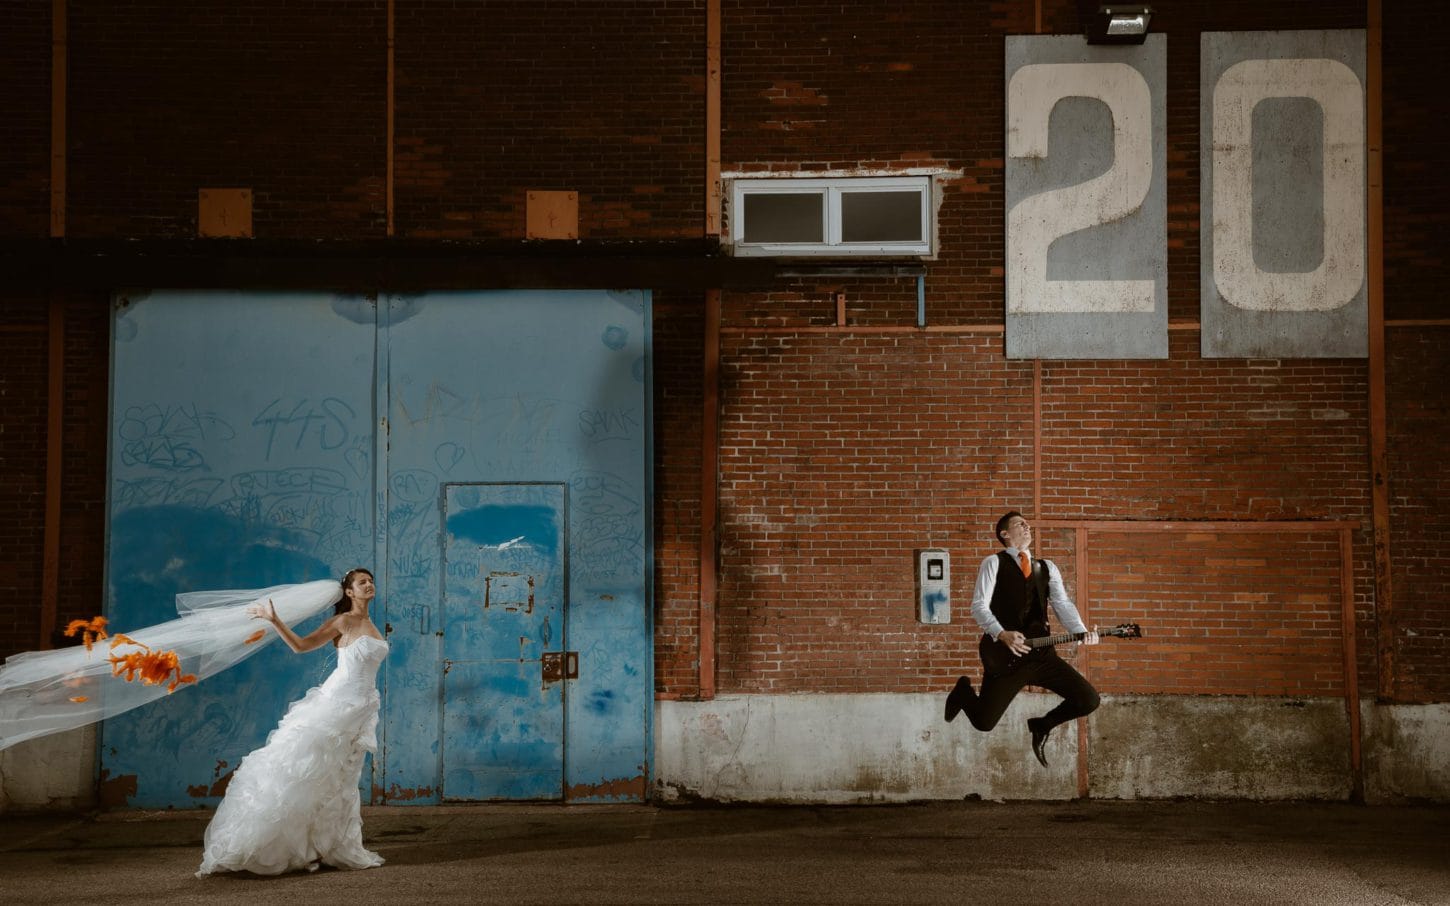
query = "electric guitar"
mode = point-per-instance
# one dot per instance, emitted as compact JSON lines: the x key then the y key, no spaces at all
{"x":998,"y":659}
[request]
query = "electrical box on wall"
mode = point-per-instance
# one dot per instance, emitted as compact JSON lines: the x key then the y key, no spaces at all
{"x":934,"y":585}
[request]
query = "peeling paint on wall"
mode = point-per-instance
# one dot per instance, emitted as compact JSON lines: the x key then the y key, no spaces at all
{"x":395,"y":793}
{"x":217,"y":788}
{"x":631,"y":789}
{"x":116,"y":792}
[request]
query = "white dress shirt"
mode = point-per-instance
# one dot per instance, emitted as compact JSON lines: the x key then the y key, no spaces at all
{"x":1062,"y":605}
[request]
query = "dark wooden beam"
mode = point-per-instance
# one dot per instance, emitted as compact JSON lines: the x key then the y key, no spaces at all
{"x":382,"y":265}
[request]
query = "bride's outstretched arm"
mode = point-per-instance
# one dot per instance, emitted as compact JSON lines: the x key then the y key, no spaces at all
{"x":314,"y":639}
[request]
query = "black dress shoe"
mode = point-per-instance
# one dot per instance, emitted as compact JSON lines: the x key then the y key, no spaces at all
{"x":958,"y":698}
{"x":1039,"y":738}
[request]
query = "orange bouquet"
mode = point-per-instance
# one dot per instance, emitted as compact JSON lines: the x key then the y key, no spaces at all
{"x":153,"y":667}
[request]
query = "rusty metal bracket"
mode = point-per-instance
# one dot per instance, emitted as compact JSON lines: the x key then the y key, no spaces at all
{"x":552,"y":663}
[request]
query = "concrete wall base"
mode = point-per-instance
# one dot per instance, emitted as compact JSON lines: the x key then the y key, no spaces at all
{"x":51,"y":773}
{"x":1219,"y":747}
{"x":894,"y":748}
{"x":853,"y":748}
{"x":1407,"y":752}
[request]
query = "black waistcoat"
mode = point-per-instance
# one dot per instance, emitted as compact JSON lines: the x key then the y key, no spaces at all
{"x":1018,"y":603}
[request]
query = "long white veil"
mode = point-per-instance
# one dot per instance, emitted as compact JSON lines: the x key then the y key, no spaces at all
{"x":45,"y":692}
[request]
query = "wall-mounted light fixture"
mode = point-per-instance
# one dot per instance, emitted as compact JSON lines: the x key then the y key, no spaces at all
{"x":1117,"y":24}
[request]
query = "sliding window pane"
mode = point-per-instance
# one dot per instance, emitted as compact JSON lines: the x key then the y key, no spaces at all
{"x":881,"y":216}
{"x":785,"y":217}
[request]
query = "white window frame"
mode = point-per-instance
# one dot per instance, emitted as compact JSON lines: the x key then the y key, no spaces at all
{"x":831,"y":189}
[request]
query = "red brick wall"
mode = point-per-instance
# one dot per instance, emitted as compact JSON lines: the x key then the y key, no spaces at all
{"x":839,"y":456}
{"x":1419,"y":452}
{"x":498,"y":98}
{"x":679,"y":343}
{"x":285,"y":98}
{"x":25,"y":86}
{"x":24,"y":375}
{"x":1416,"y":166}
{"x":83,"y":479}
{"x":1416,"y":220}
{"x":22,"y":473}
{"x":1192,"y":438}
{"x":1223,"y":613}
{"x":1220,"y":439}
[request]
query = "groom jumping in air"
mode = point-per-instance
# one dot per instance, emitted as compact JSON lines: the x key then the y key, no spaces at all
{"x":1010,"y":604}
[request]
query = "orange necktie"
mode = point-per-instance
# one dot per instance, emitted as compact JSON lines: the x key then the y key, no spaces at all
{"x":1026,"y":564}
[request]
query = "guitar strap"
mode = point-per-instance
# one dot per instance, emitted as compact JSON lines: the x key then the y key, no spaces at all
{"x":1039,"y":578}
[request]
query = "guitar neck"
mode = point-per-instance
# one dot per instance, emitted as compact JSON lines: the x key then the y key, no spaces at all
{"x":1048,"y":641}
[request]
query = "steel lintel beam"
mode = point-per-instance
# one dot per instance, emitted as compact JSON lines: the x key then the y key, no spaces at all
{"x":392,"y":265}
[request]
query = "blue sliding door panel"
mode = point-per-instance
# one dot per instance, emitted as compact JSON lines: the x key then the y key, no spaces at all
{"x":547,"y":389}
{"x":241,"y":456}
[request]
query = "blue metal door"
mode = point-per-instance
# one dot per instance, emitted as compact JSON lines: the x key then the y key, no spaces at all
{"x":504,"y":617}
{"x":242,"y":455}
{"x":262,"y":438}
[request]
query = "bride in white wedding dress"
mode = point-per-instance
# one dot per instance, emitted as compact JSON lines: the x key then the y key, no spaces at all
{"x":294,"y":802}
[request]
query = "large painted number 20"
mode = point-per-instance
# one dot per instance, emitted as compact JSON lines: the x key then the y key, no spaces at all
{"x":1036,"y":221}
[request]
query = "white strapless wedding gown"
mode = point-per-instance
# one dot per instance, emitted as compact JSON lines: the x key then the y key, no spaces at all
{"x":294,"y":802}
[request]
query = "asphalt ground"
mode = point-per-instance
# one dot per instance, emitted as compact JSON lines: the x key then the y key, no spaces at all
{"x":1082,"y":852}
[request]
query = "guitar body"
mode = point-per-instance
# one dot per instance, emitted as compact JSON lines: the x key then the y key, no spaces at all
{"x":998,"y":659}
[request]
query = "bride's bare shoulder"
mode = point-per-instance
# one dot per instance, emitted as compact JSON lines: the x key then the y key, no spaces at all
{"x":351,"y":625}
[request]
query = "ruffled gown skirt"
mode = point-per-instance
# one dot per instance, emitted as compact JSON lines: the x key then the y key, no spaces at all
{"x":294,"y":803}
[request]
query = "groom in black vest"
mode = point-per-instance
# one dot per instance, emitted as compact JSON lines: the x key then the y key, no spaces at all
{"x":1010,"y":603}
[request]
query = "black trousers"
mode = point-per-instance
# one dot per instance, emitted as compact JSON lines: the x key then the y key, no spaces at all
{"x":1044,"y":669}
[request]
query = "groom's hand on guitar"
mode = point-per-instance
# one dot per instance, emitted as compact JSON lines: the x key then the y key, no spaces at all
{"x":1092,"y":637}
{"x":1016,"y":641}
